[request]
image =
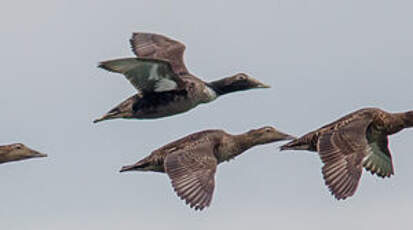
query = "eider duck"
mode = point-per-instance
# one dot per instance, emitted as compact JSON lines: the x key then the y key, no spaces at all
{"x":17,"y":152}
{"x":165,"y":87}
{"x":356,"y":140}
{"x":191,"y":161}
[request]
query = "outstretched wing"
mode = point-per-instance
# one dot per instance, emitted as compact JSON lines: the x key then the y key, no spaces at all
{"x":192,"y":172}
{"x":145,"y":75}
{"x":155,"y":46}
{"x":342,"y":152}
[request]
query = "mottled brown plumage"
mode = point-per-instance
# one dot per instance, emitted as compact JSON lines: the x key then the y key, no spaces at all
{"x":191,"y":162}
{"x":17,"y":152}
{"x":357,"y":140}
{"x":165,"y":87}
{"x":159,"y":47}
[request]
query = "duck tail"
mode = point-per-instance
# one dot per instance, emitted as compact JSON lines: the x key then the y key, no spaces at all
{"x":123,"y":110}
{"x":297,"y":144}
{"x":142,"y":165}
{"x":119,"y":65}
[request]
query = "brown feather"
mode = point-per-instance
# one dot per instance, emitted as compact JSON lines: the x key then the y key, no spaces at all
{"x":155,"y":46}
{"x":352,"y":142}
{"x":196,"y":164}
{"x":191,"y":161}
{"x":342,"y":153}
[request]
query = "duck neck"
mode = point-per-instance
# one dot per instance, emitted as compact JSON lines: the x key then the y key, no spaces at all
{"x":242,"y":143}
{"x":391,"y":124}
{"x":3,"y":151}
{"x":5,"y":155}
{"x":401,"y":120}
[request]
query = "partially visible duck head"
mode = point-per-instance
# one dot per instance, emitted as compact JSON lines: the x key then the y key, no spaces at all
{"x":268,"y":134}
{"x":16,"y":152}
{"x":238,"y":82}
{"x":123,"y":110}
{"x":408,"y":119}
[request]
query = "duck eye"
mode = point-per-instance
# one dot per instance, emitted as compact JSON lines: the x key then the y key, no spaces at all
{"x":242,"y":77}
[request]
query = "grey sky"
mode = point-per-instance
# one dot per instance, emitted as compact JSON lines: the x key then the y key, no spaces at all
{"x":322,"y":58}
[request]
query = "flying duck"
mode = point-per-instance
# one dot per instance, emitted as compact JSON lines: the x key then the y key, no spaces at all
{"x":17,"y":152}
{"x":165,"y":86}
{"x":191,"y":161}
{"x":356,"y":140}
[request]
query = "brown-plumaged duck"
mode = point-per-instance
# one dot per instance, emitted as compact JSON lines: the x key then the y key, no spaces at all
{"x":356,"y":140}
{"x":17,"y":152}
{"x":165,"y":86}
{"x":191,"y":161}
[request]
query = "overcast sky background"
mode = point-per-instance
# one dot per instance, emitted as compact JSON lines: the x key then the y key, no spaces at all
{"x":323,"y":59}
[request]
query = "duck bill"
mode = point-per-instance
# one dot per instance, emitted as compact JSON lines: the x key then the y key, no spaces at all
{"x":263,"y":86}
{"x":254,"y":83}
{"x":287,"y":137}
{"x":38,"y":154}
{"x":260,"y":85}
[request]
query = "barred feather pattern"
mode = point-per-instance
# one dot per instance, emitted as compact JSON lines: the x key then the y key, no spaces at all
{"x":192,"y":171}
{"x":342,"y":164}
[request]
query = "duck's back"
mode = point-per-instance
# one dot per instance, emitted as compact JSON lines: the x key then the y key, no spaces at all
{"x":359,"y":114}
{"x":309,"y":140}
{"x":191,"y":141}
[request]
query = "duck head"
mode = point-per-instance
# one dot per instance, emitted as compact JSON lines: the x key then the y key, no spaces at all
{"x":16,"y":152}
{"x":268,"y":134}
{"x":123,"y":110}
{"x":238,"y":82}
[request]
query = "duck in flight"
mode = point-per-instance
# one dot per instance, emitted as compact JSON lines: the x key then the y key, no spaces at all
{"x":356,"y":140}
{"x":165,"y":86}
{"x":17,"y":152}
{"x":191,"y":161}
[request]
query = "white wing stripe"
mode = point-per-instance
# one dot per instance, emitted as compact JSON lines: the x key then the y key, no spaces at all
{"x":165,"y":85}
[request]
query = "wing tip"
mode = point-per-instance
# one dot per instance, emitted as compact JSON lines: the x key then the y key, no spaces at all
{"x":343,"y":192}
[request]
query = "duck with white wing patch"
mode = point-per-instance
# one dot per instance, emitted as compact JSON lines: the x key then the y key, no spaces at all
{"x":165,"y":87}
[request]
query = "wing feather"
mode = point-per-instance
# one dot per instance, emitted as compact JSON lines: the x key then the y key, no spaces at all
{"x":342,"y":152}
{"x":156,"y":46}
{"x":145,"y":75}
{"x":379,"y":160}
{"x":192,"y":172}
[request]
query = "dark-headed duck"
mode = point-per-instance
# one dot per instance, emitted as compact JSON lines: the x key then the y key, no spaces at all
{"x":165,"y":87}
